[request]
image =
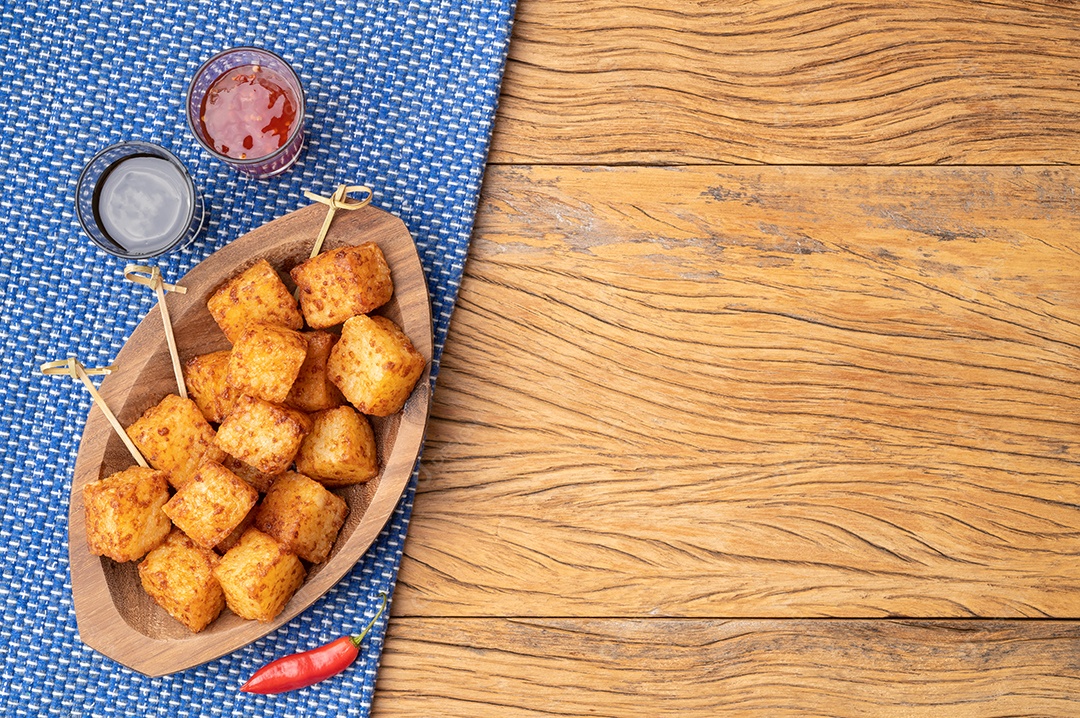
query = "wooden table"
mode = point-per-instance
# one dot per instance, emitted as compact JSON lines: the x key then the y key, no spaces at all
{"x":760,"y":396}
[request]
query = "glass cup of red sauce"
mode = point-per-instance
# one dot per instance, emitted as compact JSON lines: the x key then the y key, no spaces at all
{"x":245,"y":106}
{"x":136,"y":200}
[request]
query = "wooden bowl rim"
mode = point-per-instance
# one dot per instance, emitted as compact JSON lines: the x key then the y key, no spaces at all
{"x":100,"y":624}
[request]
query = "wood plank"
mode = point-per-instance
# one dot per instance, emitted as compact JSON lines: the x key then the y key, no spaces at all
{"x":792,"y":82}
{"x":656,"y":667}
{"x":759,"y":392}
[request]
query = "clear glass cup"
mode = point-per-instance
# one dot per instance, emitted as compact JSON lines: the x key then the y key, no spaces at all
{"x":136,"y":200}
{"x":221,"y":110}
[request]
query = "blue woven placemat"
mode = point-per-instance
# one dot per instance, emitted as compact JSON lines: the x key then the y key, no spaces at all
{"x":401,"y":96}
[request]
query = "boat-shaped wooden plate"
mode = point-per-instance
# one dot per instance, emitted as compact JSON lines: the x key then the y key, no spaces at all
{"x":115,"y":616}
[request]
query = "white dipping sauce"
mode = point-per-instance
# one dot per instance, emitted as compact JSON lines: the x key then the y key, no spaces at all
{"x":144,"y":203}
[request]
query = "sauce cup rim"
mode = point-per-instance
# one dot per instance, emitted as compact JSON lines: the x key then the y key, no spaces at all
{"x":90,"y":226}
{"x":298,"y":127}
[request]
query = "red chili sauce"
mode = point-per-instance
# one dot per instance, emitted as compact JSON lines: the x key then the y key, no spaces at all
{"x":248,"y":112}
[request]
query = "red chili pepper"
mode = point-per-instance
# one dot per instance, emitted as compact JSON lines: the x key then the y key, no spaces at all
{"x":304,"y":669}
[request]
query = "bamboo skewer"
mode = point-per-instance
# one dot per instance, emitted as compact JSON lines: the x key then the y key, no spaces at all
{"x":336,"y":201}
{"x":151,"y":277}
{"x":73,"y":367}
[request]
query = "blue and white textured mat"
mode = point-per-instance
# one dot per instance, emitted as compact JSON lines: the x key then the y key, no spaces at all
{"x":401,"y":97}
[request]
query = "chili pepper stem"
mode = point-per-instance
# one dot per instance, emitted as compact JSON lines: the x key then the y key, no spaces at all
{"x":358,"y":638}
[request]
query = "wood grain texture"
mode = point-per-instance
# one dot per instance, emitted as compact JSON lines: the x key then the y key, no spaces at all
{"x":662,"y":667}
{"x":758,"y":392}
{"x":781,"y":82}
{"x":707,"y":393}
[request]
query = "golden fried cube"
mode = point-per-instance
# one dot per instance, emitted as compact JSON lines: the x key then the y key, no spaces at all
{"x":234,"y":538}
{"x":259,"y":576}
{"x":340,"y":450}
{"x":265,"y":361}
{"x":212,"y":504}
{"x":179,"y":576}
{"x":204,"y":376}
{"x":250,"y":474}
{"x":174,"y":437}
{"x":313,"y":390}
{"x":375,"y":365}
{"x":255,"y":295}
{"x":263,"y":435}
{"x":302,"y":515}
{"x":124,"y":519}
{"x":342,"y":283}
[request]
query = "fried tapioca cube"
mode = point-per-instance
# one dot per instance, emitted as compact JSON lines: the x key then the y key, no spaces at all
{"x":233,"y":538}
{"x":342,"y":283}
{"x":313,"y":390}
{"x":262,"y":434}
{"x":174,"y":437}
{"x":303,"y":515}
{"x":179,"y":576}
{"x":255,"y":295}
{"x":210,"y":506}
{"x":204,"y":376}
{"x":124,"y":517}
{"x":259,"y":576}
{"x":375,"y":365}
{"x":250,"y":474}
{"x":265,"y":361}
{"x":340,"y":450}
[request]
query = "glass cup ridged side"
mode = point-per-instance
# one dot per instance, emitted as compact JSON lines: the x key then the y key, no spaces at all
{"x":260,"y":167}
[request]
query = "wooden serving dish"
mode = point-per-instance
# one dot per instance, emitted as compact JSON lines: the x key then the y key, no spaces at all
{"x":115,"y":616}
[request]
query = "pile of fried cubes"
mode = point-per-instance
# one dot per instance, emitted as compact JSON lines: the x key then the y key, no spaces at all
{"x":228,"y":516}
